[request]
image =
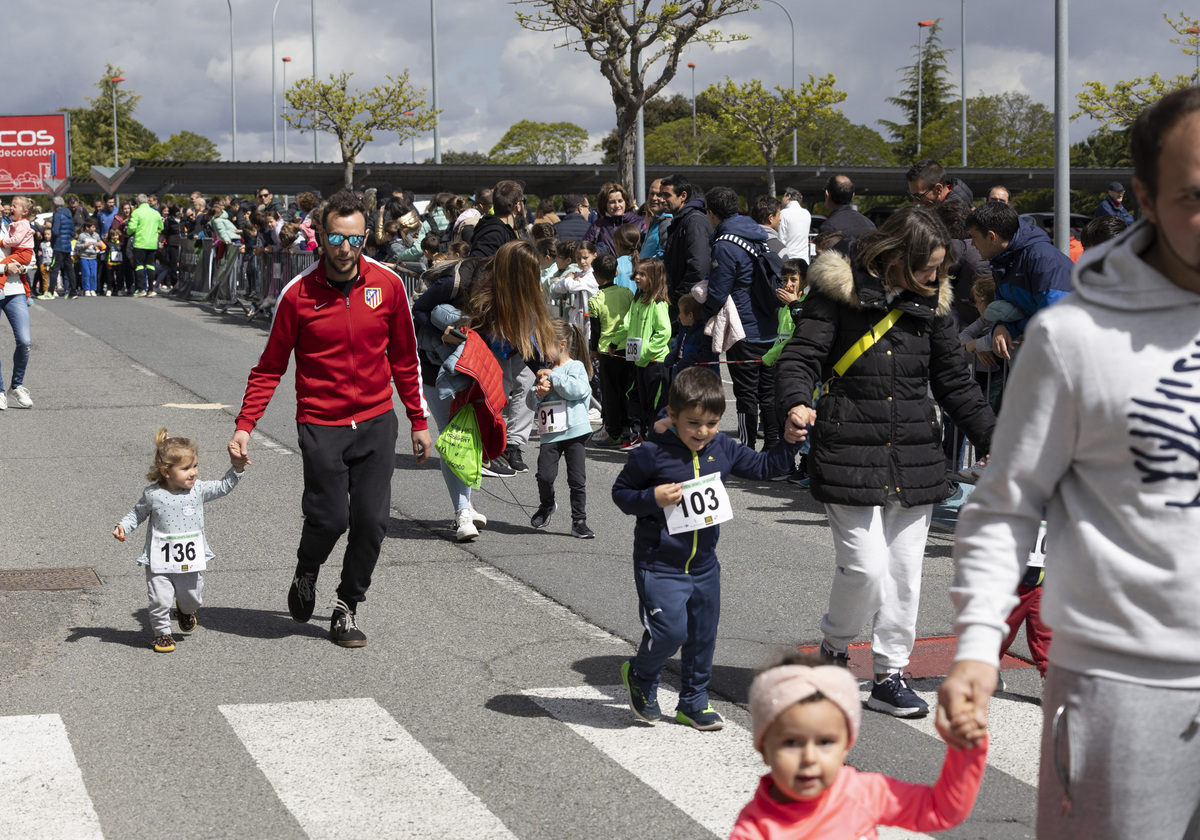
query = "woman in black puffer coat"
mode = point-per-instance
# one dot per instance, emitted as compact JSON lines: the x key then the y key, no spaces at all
{"x":876,"y":457}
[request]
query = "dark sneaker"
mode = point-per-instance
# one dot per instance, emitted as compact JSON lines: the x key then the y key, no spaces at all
{"x":513,"y":454}
{"x":164,"y":644}
{"x":343,"y":629}
{"x":895,"y":698}
{"x":580,"y":529}
{"x":541,"y":517}
{"x":302,"y":596}
{"x":831,"y":656}
{"x":499,"y":468}
{"x":187,"y":623}
{"x":642,"y":700}
{"x":604,"y":440}
{"x":706,"y":720}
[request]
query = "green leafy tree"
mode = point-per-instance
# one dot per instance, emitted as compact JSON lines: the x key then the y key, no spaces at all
{"x":1118,"y":106}
{"x":92,"y":127}
{"x":529,"y":142}
{"x":354,"y":117}
{"x":627,"y":42}
{"x":936,"y":94}
{"x":834,"y":140}
{"x":1103,"y":149}
{"x":674,"y":144}
{"x":461,"y":158}
{"x":185,"y":145}
{"x":1006,"y":129}
{"x":768,"y":118}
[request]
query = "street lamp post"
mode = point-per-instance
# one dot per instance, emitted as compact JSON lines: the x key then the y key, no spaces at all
{"x":115,"y":81}
{"x":437,"y":132}
{"x":692,"y":66}
{"x":287,"y":59}
{"x":793,"y":26}
{"x":274,"y":105}
{"x":232,"y":83}
{"x":313,"y":8}
{"x":413,"y":139}
{"x":962,"y":55}
{"x":921,"y":24}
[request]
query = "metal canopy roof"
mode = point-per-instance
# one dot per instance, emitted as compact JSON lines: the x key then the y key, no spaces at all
{"x":155,"y":176}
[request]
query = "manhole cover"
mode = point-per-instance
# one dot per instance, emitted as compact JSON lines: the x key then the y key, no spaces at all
{"x":44,"y":580}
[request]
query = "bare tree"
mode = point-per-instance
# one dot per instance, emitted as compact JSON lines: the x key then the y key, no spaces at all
{"x":627,"y":46}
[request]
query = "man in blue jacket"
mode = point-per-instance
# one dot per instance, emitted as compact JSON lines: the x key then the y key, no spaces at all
{"x":1111,"y":205}
{"x":62,"y":232}
{"x":1030,"y":272}
{"x":738,"y":253}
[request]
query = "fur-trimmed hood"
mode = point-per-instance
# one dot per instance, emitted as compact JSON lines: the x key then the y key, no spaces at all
{"x":833,"y":275}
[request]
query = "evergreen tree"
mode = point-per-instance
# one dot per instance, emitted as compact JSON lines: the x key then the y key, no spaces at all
{"x":936,"y":97}
{"x":92,"y":127}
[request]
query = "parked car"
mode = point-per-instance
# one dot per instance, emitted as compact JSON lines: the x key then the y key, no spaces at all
{"x":1046,"y":221}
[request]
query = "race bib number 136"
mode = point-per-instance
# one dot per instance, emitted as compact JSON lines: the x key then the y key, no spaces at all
{"x":177,"y":553}
{"x":705,"y":503}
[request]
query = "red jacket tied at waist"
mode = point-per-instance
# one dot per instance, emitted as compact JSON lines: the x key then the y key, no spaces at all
{"x":486,"y":393}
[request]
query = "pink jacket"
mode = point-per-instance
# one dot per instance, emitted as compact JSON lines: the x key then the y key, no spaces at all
{"x":20,"y":235}
{"x":858,"y":802}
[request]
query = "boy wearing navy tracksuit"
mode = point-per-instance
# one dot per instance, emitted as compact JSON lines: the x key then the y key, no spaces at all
{"x":678,"y":576}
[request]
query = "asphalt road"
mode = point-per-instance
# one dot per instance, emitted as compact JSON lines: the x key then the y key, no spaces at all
{"x":482,"y":705}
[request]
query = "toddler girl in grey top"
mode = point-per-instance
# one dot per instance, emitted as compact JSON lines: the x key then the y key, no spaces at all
{"x":176,"y":551}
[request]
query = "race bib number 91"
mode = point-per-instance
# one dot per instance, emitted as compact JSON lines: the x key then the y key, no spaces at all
{"x":176,"y":553}
{"x":552,"y":416}
{"x":705,"y":503}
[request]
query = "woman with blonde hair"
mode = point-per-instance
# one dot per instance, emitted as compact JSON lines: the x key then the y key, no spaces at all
{"x":508,"y":308}
{"x":616,"y":208}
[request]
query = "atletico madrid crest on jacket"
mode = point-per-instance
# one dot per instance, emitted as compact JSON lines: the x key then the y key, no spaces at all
{"x":373,"y":297}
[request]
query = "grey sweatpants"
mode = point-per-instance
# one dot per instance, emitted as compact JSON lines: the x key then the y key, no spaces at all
{"x":1129,"y":755}
{"x":164,"y":590}
{"x":519,"y":382}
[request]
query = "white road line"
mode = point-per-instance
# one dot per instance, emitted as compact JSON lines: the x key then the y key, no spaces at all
{"x":347,"y":769}
{"x":196,"y":406}
{"x":1015,"y":730}
{"x":557,"y":610}
{"x":78,"y":331}
{"x":141,"y":369}
{"x":709,"y":776}
{"x":270,"y":443}
{"x":41,"y":785}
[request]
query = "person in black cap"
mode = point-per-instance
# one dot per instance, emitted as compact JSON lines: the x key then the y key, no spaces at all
{"x":1111,"y":204}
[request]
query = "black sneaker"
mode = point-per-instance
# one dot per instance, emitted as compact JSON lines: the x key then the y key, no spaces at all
{"x":541,"y":517}
{"x":498,"y":468}
{"x":513,"y":454}
{"x":580,"y":529}
{"x":343,"y":629}
{"x":302,"y":596}
{"x":830,"y":656}
{"x":642,"y":700}
{"x":895,"y":698}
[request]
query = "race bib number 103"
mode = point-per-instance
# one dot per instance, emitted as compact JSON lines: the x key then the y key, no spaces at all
{"x":705,"y":503}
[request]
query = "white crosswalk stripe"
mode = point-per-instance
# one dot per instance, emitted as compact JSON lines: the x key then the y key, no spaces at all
{"x":41,"y":786}
{"x":347,"y":769}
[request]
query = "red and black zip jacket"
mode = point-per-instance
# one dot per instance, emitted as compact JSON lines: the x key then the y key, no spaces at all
{"x":349,"y":349}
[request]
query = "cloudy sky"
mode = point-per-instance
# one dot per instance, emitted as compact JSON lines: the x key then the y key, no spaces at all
{"x":493,"y":73}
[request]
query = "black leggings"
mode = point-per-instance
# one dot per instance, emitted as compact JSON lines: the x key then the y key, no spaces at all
{"x":547,"y":471}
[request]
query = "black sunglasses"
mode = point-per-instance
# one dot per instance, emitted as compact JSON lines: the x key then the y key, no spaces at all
{"x":336,"y":239}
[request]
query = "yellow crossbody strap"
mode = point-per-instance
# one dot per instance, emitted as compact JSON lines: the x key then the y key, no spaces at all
{"x":864,"y":344}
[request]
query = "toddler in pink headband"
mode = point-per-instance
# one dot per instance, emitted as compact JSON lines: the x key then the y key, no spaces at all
{"x":805,"y":719}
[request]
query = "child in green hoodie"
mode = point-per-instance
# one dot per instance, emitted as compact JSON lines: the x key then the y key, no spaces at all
{"x":647,"y":340}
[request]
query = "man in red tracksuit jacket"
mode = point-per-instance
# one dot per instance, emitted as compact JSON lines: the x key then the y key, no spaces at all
{"x":347,"y":320}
